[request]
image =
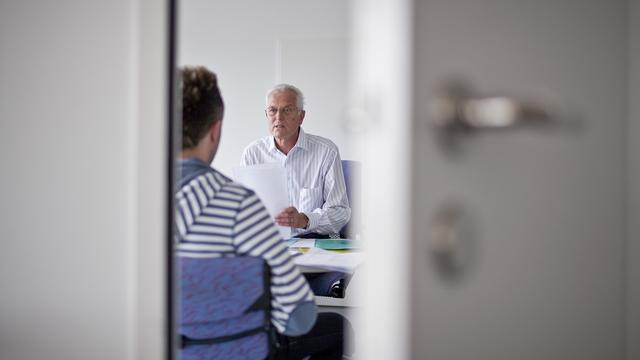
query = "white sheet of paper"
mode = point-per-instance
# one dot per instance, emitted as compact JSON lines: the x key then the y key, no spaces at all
{"x":330,"y":260}
{"x":269,"y":181}
{"x":303,"y":243}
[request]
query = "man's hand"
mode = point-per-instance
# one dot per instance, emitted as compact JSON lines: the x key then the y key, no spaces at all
{"x":292,"y":218}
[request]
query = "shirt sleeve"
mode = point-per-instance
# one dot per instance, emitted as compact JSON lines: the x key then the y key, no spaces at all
{"x":335,"y":211}
{"x":254,"y":233}
{"x":244,"y":159}
{"x":250,"y":156}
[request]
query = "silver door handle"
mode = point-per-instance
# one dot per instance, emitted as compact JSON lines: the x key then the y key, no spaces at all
{"x":484,"y":113}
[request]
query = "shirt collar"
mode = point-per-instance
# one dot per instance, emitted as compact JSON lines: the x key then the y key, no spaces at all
{"x":191,"y":162}
{"x":302,"y":141}
{"x":186,"y":169}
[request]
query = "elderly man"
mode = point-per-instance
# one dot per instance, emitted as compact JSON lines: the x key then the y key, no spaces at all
{"x":312,"y":163}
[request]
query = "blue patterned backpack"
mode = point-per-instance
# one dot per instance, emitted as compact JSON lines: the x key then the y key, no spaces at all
{"x":225,"y":308}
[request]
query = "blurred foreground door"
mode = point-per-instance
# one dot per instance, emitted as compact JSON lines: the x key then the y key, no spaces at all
{"x":494,"y":177}
{"x":518,"y":232}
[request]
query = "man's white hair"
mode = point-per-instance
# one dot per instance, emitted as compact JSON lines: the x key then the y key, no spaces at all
{"x":287,"y":87}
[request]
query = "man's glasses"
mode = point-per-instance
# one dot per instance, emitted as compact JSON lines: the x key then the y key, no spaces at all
{"x":272,"y":110}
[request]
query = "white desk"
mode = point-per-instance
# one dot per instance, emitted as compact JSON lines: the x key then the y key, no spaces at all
{"x":320,"y":256}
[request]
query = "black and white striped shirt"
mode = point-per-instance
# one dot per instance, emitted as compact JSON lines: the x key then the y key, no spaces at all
{"x":315,"y":179}
{"x":216,"y":217}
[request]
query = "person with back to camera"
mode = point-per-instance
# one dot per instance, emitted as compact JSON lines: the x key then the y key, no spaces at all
{"x":301,"y":331}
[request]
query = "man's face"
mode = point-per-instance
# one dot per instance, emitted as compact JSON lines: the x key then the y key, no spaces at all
{"x":283,"y":116}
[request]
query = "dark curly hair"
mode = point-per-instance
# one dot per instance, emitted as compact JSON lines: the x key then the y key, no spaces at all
{"x":202,"y":103}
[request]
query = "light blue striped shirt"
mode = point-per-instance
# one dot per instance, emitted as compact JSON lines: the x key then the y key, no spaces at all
{"x":315,"y":180}
{"x":216,"y":217}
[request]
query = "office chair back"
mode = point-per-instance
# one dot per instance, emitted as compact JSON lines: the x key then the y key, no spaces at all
{"x":352,"y":171}
{"x":225,"y":307}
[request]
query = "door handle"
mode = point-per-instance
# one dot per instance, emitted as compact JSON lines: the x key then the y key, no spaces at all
{"x":455,"y":109}
{"x":483,"y":113}
{"x":456,"y":112}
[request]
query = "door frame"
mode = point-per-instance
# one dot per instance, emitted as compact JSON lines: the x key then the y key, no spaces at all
{"x":154,"y":101}
{"x":633,"y":149}
{"x":382,"y":102}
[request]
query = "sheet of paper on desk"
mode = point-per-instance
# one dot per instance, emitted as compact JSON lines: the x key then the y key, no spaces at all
{"x":269,"y":181}
{"x":330,"y":260}
{"x":303,"y":243}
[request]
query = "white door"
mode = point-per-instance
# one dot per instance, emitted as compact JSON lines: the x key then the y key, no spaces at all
{"x":517,"y":234}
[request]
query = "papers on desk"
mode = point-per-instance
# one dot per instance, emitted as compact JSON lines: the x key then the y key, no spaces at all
{"x":326,"y":244}
{"x":330,"y":260}
{"x":337,"y":244}
{"x":301,"y":243}
{"x":269,"y":182}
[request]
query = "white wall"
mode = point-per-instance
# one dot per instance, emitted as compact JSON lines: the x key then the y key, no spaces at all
{"x":70,"y":153}
{"x":254,"y":44}
{"x":633,"y":281}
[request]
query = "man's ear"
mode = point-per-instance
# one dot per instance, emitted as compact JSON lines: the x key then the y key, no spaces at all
{"x":302,"y":114}
{"x":214,"y":130}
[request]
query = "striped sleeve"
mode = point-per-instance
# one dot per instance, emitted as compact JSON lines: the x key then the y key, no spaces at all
{"x":247,"y":157}
{"x":204,"y":222}
{"x":335,"y":211}
{"x":255,"y":234}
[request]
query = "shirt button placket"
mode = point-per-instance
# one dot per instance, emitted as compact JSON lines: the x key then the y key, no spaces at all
{"x":289,"y":181}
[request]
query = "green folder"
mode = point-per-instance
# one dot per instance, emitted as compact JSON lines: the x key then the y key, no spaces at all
{"x":336,"y":244}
